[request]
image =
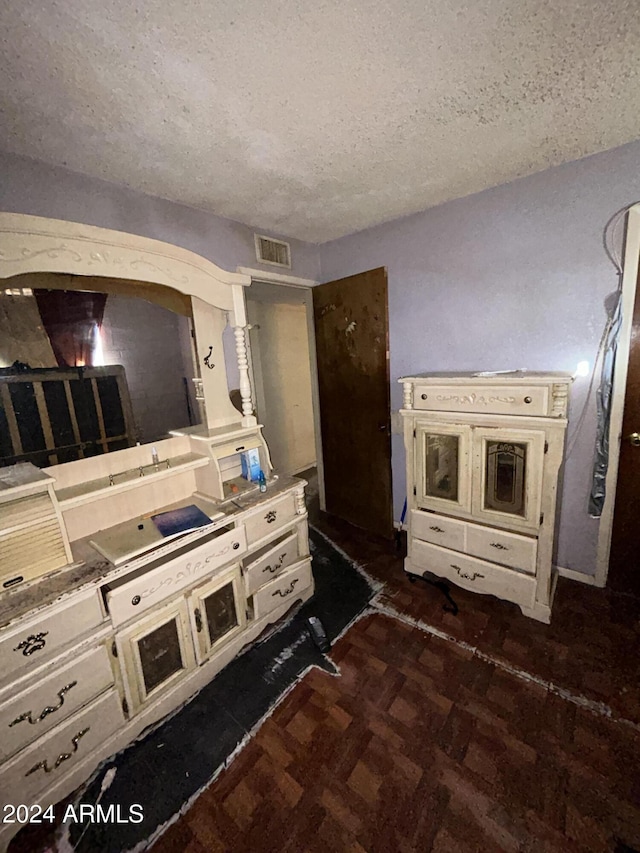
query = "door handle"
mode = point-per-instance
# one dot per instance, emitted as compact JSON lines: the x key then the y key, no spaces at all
{"x":633,"y":439}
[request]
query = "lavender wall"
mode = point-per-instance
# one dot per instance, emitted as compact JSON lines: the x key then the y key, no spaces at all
{"x":28,"y":186}
{"x":513,"y":277}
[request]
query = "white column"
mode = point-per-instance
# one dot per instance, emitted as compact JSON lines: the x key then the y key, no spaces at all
{"x":248,"y":418}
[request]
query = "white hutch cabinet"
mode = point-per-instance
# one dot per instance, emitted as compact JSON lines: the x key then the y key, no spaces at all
{"x":484,"y":454}
{"x":106,"y":626}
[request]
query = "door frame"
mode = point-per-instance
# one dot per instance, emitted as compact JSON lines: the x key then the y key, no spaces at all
{"x":629,"y":280}
{"x":305,"y":297}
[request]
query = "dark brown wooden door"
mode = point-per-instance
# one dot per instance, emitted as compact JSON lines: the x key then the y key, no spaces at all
{"x":351,"y":322}
{"x":624,"y":561}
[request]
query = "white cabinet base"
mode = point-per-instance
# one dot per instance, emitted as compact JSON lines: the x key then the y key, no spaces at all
{"x":484,"y":454}
{"x":92,"y":667}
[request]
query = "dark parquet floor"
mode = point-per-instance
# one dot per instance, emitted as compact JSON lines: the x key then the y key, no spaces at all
{"x":507,"y":735}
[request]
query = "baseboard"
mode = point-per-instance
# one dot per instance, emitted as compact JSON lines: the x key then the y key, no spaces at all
{"x":580,"y":577}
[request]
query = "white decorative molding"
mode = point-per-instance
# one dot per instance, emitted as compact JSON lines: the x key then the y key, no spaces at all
{"x":407,"y":395}
{"x":473,"y":399}
{"x":35,"y":244}
{"x":301,"y":506}
{"x":560,"y":394}
{"x":277,"y":277}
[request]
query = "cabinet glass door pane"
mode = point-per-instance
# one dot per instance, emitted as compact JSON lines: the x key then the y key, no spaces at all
{"x":220,"y":610}
{"x":160,"y":655}
{"x":505,"y":476}
{"x":441,"y":466}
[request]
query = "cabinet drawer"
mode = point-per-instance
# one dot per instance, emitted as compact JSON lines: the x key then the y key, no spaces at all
{"x":269,"y":518}
{"x":130,"y":596}
{"x":524,"y":400}
{"x":271,"y":564}
{"x":33,"y":640}
{"x":438,"y":529}
{"x":474,"y":574}
{"x":38,"y":709}
{"x":499,"y":546}
{"x":55,"y":754}
{"x":284,"y":588}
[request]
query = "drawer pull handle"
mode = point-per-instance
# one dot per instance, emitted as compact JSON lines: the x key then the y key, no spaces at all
{"x":33,"y":643}
{"x":275,"y":566}
{"x":64,"y":756}
{"x":46,"y":711}
{"x":528,"y":400}
{"x":270,"y":516}
{"x":198,"y":616}
{"x":468,"y":577}
{"x":235,"y":546}
{"x":423,"y":396}
{"x":285,"y":592}
{"x":436,"y":528}
{"x":499,"y":546}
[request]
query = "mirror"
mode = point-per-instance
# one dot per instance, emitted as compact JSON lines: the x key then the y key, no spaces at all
{"x":88,"y":366}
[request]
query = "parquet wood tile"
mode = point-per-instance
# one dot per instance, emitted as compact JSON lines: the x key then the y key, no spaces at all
{"x":420,"y":746}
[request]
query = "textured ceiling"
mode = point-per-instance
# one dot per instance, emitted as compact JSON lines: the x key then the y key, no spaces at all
{"x":322,"y":118}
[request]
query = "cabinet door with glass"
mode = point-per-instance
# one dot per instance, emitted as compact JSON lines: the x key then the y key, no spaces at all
{"x":217,"y":612}
{"x":442,"y":457}
{"x":156,"y":653}
{"x":508,"y":467}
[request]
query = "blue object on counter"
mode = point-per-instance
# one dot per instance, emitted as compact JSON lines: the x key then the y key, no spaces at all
{"x":262,"y":481}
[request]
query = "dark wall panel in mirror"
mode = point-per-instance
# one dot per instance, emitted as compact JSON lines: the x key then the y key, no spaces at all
{"x":59,"y":415}
{"x":111,"y":406}
{"x":56,"y":415}
{"x":25,"y":409}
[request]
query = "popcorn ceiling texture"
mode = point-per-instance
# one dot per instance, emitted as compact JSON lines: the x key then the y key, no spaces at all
{"x":316,"y":120}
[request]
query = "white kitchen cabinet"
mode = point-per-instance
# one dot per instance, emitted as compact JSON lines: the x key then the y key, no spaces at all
{"x":484,"y":455}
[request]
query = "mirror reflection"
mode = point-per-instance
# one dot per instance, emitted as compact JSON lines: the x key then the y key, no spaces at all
{"x":91,"y":366}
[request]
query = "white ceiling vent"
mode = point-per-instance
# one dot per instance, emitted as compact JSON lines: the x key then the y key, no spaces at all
{"x":274,"y":252}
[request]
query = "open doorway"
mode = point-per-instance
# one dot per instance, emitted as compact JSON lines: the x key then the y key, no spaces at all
{"x":282,"y":357}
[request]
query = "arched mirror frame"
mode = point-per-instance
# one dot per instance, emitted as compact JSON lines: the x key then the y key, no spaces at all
{"x":30,"y":244}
